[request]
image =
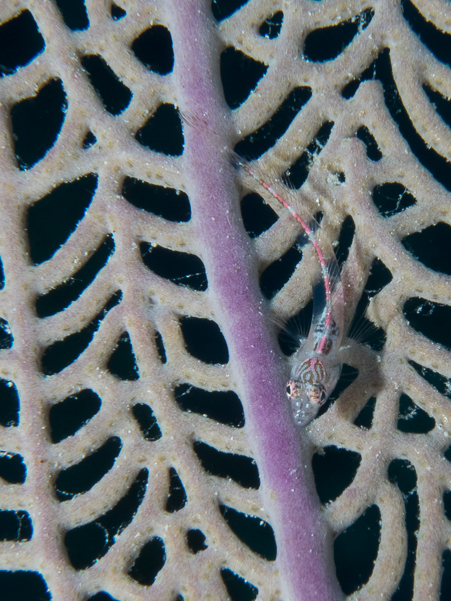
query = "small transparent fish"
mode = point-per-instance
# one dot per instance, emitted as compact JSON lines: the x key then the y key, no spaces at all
{"x":317,"y":363}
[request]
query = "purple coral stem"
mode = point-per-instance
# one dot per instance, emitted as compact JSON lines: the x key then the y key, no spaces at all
{"x":304,"y":545}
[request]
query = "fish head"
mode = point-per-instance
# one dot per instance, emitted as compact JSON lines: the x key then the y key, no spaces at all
{"x":306,"y":400}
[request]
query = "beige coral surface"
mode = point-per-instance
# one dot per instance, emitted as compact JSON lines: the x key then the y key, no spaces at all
{"x":152,"y":304}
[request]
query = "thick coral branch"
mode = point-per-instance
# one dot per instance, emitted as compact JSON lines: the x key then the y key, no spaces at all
{"x":304,"y":549}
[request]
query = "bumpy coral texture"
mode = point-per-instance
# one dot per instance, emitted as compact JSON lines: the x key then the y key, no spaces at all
{"x":173,"y":517}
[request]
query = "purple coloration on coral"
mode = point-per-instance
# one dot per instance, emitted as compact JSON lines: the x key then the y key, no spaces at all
{"x":304,"y":549}
{"x":350,"y":109}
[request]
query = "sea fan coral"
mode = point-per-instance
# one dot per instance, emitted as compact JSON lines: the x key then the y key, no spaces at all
{"x":148,"y":449}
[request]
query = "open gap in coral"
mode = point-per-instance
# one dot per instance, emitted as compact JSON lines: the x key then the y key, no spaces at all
{"x":272,"y":26}
{"x":237,"y":587}
{"x":243,"y":470}
{"x":36,"y":123}
{"x":55,"y":216}
{"x":222,"y":9}
{"x":352,"y":86}
{"x":298,"y":172}
{"x":12,"y":468}
{"x":2,"y":276}
{"x":195,"y":539}
{"x":20,"y":42}
{"x":60,"y":297}
{"x":74,"y":14}
{"x":153,"y":47}
{"x":355,"y":550}
{"x":23,"y":585}
{"x":162,"y":132}
{"x":15,"y":526}
{"x":169,"y":203}
{"x":88,"y":543}
{"x":82,"y":476}
{"x":445,"y":585}
{"x":447,"y":503}
{"x":182,"y":269}
{"x":379,"y":277}
{"x":62,"y":353}
{"x":365,"y":416}
{"x":102,"y":596}
{"x":434,"y":378}
{"x":334,"y":469}
{"x":431,"y":247}
{"x":392,"y":198}
{"x":361,"y":328}
{"x":222,"y":406}
{"x":6,"y":336}
{"x":117,"y":12}
{"x":257,"y":215}
{"x":177,"y":498}
{"x":89,"y":140}
{"x":276,"y":275}
{"x":114,"y":95}
{"x":240,"y":75}
{"x":71,"y":414}
{"x":402,"y":473}
{"x":436,"y":40}
{"x":149,"y":562}
{"x":326,"y":43}
{"x":372,"y":149}
{"x":412,"y":418}
{"x":441,"y":104}
{"x":345,"y":240}
{"x":160,"y":347}
{"x":319,"y":219}
{"x":122,"y":362}
{"x":9,"y":404}
{"x":252,"y":531}
{"x":261,"y":140}
{"x":204,"y":340}
{"x":447,"y":454}
{"x":147,"y":422}
{"x":433,"y":320}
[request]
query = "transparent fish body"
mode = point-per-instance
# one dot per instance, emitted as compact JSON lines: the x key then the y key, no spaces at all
{"x":316,"y":365}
